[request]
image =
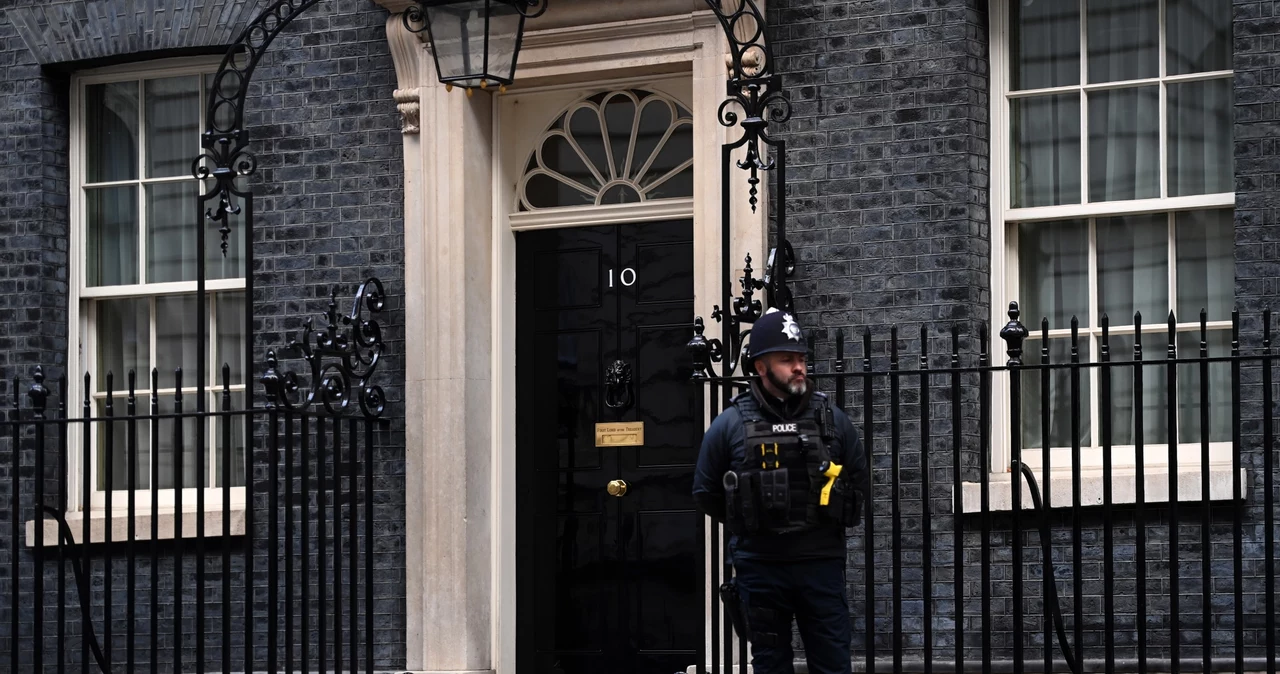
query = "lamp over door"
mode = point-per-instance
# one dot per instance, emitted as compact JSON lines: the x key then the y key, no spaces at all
{"x":475,"y":43}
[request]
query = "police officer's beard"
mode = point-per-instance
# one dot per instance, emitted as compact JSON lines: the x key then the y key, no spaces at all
{"x":797,"y":388}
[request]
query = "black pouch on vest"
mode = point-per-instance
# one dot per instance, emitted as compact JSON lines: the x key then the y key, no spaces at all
{"x":775,"y":496}
{"x":848,"y":509}
{"x":853,"y":508}
{"x":742,"y":499}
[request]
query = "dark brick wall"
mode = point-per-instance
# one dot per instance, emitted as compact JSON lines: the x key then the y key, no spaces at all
{"x":888,"y":159}
{"x":887,"y":204}
{"x":330,"y":192}
{"x":887,"y":210}
{"x":323,"y":124}
{"x":33,"y":247}
{"x":64,"y":31}
{"x":33,"y":212}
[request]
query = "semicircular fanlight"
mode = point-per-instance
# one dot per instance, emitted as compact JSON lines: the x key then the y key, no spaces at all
{"x":617,"y":147}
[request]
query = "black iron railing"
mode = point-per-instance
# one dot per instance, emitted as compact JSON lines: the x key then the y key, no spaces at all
{"x":307,"y":511}
{"x":284,"y":579}
{"x":1072,"y":579}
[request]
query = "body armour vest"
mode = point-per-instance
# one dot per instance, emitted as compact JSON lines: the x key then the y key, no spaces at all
{"x":783,"y":482}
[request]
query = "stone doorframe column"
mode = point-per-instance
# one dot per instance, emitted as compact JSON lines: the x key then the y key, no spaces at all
{"x":460,"y":306}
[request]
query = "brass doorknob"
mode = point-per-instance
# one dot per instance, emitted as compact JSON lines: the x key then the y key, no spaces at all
{"x":617,"y":488}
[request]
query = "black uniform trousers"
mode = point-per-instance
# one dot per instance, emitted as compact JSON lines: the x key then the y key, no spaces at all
{"x":810,"y":591}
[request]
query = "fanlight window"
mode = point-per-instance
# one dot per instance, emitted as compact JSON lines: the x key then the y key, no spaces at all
{"x":619,"y":147}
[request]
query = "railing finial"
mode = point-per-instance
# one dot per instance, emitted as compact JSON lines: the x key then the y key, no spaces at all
{"x":38,"y":394}
{"x":1014,"y":333}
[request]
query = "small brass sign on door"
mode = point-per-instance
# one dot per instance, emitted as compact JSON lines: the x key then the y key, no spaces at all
{"x":620,"y":434}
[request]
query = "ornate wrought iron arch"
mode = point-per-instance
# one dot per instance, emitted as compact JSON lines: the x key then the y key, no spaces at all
{"x":225,"y":141}
{"x":756,"y":99}
{"x":225,"y":159}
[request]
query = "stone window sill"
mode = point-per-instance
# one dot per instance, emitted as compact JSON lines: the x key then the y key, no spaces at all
{"x":118,"y":525}
{"x":1123,"y":488}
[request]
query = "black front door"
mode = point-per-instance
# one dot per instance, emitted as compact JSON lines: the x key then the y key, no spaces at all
{"x":606,"y":583}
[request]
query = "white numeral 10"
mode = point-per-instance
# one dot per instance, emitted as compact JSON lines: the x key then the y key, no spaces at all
{"x":623,"y":277}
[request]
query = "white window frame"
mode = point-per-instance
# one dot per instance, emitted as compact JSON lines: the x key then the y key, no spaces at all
{"x":1004,"y":258}
{"x":82,"y":356}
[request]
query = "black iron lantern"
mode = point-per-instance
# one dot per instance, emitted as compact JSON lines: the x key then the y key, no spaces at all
{"x":475,"y":43}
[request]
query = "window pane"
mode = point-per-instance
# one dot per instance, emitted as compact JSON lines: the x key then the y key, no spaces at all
{"x":231,"y":337}
{"x":679,"y":185}
{"x":557,"y":154}
{"x":1046,"y":43}
{"x":1045,"y":165}
{"x":111,"y":131}
{"x":171,"y":235}
{"x":619,"y":118}
{"x":1198,"y":35}
{"x":165,"y":454}
{"x":123,"y":329}
{"x":1060,"y":396}
{"x":1190,"y":428}
{"x":584,"y":126}
{"x":224,"y":441}
{"x":543,"y":191}
{"x":1206,"y":264}
{"x":1124,"y":39}
{"x":1133,"y":267}
{"x":655,"y":119}
{"x":120,"y":449}
{"x":1200,"y":149}
{"x":1124,"y":144}
{"x":676,"y":151}
{"x":620,"y":194}
{"x":1053,"y":272}
{"x":1155,"y":425}
{"x":173,"y":125}
{"x":112,"y":232}
{"x":176,"y":338}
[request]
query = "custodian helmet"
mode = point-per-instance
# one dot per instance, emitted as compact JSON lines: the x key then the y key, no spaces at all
{"x":777,"y":331}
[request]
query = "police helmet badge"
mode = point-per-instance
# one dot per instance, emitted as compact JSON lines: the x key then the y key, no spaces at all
{"x":790,"y":328}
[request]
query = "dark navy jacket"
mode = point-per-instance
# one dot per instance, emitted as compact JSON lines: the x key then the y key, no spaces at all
{"x":724,"y":445}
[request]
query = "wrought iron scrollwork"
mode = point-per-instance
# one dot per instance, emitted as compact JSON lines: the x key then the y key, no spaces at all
{"x":755,"y":100}
{"x":746,"y":310}
{"x":754,"y":86}
{"x":225,"y":156}
{"x":342,"y":357}
{"x":618,"y":394}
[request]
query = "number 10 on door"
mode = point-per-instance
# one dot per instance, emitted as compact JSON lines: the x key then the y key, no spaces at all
{"x":627,"y":277}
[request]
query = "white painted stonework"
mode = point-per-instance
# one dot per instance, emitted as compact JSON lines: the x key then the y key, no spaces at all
{"x":461,"y":167}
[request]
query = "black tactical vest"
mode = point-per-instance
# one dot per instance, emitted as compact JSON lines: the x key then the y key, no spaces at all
{"x":778,"y":486}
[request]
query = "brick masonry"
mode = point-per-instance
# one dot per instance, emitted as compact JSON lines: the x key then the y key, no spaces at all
{"x":82,"y":30}
{"x":328,"y":214}
{"x":887,"y":208}
{"x":887,"y":203}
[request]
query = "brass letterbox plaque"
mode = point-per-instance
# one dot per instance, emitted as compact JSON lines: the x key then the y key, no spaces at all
{"x":620,"y":434}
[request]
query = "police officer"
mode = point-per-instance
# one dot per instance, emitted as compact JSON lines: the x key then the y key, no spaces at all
{"x":783,"y":468}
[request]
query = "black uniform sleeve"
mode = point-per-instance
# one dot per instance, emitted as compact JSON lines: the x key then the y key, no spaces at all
{"x":855,"y":460}
{"x":713,"y":460}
